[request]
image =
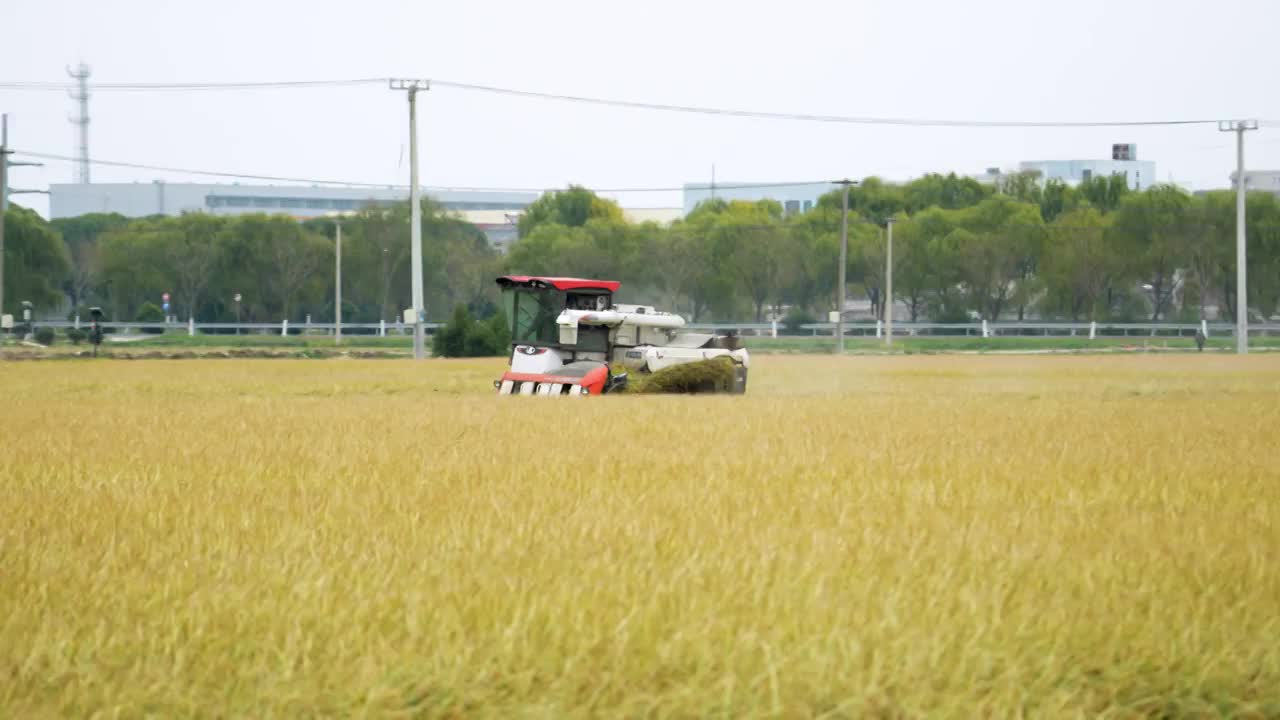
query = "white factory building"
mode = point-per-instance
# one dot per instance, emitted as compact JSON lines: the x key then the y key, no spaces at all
{"x":493,"y":212}
{"x":1139,"y":174}
{"x":165,"y":198}
{"x":1260,"y":180}
{"x":795,"y":197}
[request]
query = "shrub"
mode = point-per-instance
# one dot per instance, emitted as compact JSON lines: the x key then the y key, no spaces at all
{"x":448,"y":340}
{"x":951,"y":314}
{"x":479,"y":341}
{"x":76,"y":335}
{"x":151,"y":313}
{"x":463,"y":336}
{"x":44,"y":335}
{"x":1130,"y":307}
{"x":795,"y":319}
{"x":501,"y":332}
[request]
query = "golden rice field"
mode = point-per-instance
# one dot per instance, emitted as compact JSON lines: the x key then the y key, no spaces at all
{"x":938,"y":536}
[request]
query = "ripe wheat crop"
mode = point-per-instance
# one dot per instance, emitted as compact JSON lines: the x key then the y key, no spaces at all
{"x":888,"y":537}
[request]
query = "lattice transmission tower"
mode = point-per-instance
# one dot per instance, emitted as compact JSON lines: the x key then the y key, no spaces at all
{"x":81,"y":121}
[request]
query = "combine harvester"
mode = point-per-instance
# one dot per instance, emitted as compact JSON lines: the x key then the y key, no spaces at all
{"x":569,"y":338}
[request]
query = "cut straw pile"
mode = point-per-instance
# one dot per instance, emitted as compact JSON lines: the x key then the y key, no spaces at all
{"x":705,"y":376}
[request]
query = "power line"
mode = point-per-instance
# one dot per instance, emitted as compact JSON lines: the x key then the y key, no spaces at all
{"x":632,"y":104}
{"x":918,"y":122}
{"x":212,"y":173}
{"x":389,"y":186}
{"x":460,"y":188}
{"x":193,"y":87}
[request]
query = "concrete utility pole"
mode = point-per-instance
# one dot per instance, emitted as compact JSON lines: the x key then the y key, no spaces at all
{"x":5,"y":191}
{"x":415,"y":212}
{"x":844,"y":261}
{"x":4,"y":203}
{"x":4,"y":159}
{"x":81,"y":76}
{"x":337,"y":286}
{"x":888,"y":286}
{"x":4,"y":199}
{"x":1242,"y":294}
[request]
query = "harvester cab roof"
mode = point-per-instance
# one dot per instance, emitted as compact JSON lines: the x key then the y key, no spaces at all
{"x":558,"y":283}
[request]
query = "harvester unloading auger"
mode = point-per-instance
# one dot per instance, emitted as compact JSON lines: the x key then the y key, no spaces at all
{"x":569,"y":338}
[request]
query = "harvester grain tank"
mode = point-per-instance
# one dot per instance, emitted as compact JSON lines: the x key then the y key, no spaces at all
{"x":570,"y":338}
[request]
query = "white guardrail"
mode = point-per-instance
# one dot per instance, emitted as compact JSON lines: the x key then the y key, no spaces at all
{"x":769,"y":329}
{"x":284,"y":327}
{"x":994,"y":329}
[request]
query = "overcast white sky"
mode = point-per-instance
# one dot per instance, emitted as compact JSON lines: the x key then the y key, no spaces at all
{"x":974,"y":60}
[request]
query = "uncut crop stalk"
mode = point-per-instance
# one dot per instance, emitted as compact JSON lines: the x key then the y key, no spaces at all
{"x":926,"y":536}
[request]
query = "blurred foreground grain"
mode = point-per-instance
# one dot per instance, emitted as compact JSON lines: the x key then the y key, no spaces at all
{"x":908,"y":536}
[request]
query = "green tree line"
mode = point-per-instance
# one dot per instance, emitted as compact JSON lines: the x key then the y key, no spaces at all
{"x":962,"y":249}
{"x":281,"y":268}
